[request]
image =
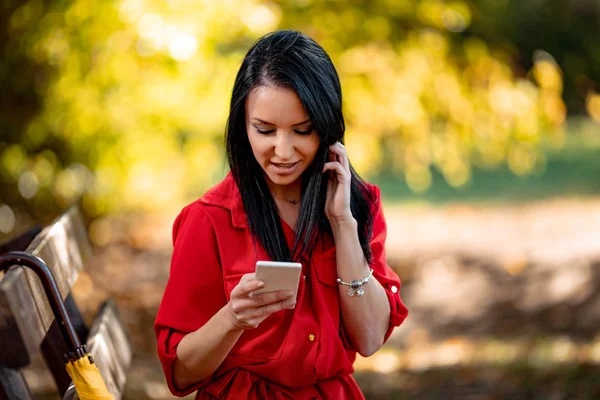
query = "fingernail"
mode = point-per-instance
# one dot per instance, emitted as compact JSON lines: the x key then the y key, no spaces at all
{"x":289,"y":293}
{"x":292,"y":304}
{"x":260,"y":284}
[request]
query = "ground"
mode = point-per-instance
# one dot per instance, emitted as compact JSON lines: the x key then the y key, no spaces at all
{"x":504,"y":301}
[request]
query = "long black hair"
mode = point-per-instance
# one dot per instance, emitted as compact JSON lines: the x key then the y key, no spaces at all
{"x":291,"y":60}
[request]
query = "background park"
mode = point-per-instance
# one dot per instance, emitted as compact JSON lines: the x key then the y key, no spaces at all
{"x":480,"y":121}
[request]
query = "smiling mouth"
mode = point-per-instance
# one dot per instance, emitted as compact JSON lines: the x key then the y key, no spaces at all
{"x":284,"y":169}
{"x":286,"y":165}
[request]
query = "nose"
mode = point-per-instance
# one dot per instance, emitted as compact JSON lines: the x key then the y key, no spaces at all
{"x":284,"y":147}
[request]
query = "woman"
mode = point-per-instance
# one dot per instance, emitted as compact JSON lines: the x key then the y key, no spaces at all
{"x":291,"y":195}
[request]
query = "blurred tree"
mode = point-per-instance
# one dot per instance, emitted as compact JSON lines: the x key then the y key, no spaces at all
{"x":567,"y":29}
{"x":123,"y":103}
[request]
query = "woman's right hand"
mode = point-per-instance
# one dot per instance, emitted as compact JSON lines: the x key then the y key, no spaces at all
{"x":248,"y":311}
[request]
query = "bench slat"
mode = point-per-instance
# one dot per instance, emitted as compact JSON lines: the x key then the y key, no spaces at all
{"x":26,"y":318}
{"x":13,"y":385}
{"x":16,"y":303}
{"x":64,"y":247}
{"x":110,"y":346}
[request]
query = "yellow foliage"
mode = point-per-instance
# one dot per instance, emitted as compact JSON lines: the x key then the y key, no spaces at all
{"x":141,"y":89}
{"x":592,"y":106}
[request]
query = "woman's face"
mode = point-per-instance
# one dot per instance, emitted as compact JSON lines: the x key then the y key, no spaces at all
{"x":281,"y":135}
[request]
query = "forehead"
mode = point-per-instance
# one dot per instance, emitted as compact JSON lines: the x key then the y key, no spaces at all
{"x":278,"y":106}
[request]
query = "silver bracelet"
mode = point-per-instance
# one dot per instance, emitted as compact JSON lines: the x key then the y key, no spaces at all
{"x":356,"y":286}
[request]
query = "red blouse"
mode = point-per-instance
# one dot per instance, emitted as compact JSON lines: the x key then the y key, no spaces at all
{"x":302,"y":353}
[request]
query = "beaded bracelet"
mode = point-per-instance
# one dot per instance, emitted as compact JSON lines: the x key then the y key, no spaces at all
{"x":356,"y":286}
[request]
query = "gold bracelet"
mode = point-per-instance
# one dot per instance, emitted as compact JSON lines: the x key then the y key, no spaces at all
{"x":356,"y":286}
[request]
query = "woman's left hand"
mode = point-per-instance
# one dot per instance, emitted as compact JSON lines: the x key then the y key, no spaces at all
{"x":337,"y":203}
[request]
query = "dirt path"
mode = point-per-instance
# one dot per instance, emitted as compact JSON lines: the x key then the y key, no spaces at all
{"x":488,"y":288}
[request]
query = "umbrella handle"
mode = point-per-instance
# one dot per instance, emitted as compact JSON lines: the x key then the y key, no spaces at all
{"x":54,"y":298}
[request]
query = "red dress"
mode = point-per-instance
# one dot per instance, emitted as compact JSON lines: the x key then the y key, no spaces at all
{"x":294,"y":354}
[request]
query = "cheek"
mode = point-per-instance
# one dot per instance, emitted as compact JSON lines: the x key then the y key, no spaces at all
{"x":258,"y":146}
{"x":311,"y":147}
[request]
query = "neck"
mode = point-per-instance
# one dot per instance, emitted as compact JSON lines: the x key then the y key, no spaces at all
{"x":290,"y":193}
{"x":292,"y":201}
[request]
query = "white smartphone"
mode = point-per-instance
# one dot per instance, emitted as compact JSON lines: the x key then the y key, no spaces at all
{"x":278,"y":276}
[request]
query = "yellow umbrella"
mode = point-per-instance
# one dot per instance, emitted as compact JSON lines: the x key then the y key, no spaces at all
{"x":80,"y":366}
{"x":87,"y":379}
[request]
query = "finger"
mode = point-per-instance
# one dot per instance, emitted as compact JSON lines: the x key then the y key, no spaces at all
{"x":245,"y":289}
{"x":343,"y":175}
{"x":260,"y":300}
{"x":340,"y":151}
{"x":345,"y":160}
{"x":267,"y":310}
{"x":245,"y":308}
{"x":247,"y":277}
{"x":264,"y":299}
{"x":330,"y":155}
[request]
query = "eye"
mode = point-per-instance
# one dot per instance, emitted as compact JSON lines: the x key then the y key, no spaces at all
{"x":263,"y":132}
{"x":305,"y":132}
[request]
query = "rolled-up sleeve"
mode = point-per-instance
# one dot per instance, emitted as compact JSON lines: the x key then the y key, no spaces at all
{"x":381,"y":270}
{"x":194,"y":291}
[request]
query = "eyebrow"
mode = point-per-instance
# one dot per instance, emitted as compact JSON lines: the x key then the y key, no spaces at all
{"x":270,"y":123}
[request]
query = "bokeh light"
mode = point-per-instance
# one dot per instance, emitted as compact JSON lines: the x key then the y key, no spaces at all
{"x":142,"y":79}
{"x":7,"y":219}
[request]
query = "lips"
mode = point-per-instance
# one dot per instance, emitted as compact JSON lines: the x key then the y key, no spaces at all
{"x":285,"y":165}
{"x":284,"y":168}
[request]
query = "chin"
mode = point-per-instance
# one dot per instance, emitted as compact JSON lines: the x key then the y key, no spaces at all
{"x":283,"y":180}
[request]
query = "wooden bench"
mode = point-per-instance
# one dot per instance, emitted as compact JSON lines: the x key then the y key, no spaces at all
{"x":27,"y":324}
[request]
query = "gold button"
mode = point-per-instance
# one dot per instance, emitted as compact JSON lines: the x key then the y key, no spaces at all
{"x":311,"y":337}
